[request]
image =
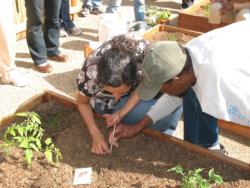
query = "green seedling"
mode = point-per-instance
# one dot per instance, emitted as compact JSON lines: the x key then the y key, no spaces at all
{"x":154,"y":15}
{"x":28,"y":135}
{"x":194,"y":179}
{"x":53,"y":121}
{"x":172,"y":37}
{"x":206,"y":9}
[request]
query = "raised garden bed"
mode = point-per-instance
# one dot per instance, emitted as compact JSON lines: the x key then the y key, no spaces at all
{"x":138,"y":162}
{"x":196,"y":18}
{"x":165,"y":32}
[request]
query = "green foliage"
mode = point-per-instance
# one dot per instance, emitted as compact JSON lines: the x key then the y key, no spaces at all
{"x":154,"y":15}
{"x":172,"y":37}
{"x":194,"y":179}
{"x":206,"y":9}
{"x":53,"y":121}
{"x":28,"y":135}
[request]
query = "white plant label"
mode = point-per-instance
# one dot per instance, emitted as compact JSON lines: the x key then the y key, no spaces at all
{"x":82,"y":176}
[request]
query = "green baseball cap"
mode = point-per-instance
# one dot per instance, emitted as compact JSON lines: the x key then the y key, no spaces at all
{"x":163,"y":61}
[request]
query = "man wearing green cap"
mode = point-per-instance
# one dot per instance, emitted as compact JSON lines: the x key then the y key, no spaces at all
{"x":209,"y":76}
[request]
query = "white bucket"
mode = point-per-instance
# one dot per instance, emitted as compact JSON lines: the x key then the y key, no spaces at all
{"x":110,"y":25}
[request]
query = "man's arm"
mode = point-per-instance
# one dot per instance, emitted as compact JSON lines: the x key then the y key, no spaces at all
{"x":162,"y":108}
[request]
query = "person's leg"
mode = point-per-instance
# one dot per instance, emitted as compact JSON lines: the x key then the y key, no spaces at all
{"x":34,"y":33}
{"x":52,"y":26}
{"x":64,"y":15}
{"x":113,"y":6}
{"x":96,"y":3}
{"x":199,"y":128}
{"x":139,"y":10}
{"x":8,"y":70}
{"x":8,"y":39}
{"x":140,"y":110}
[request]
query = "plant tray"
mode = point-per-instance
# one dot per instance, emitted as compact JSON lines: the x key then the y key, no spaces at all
{"x":194,"y":18}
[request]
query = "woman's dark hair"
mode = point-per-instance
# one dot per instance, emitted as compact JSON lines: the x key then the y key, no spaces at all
{"x":117,"y":67}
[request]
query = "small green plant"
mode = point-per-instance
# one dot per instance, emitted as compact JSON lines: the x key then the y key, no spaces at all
{"x":206,"y":9}
{"x":53,"y":121}
{"x":172,"y":37}
{"x":155,"y":15}
{"x":194,"y":179}
{"x":28,"y":135}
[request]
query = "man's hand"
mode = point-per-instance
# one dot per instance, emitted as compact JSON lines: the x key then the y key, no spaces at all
{"x":123,"y":131}
{"x":100,"y":146}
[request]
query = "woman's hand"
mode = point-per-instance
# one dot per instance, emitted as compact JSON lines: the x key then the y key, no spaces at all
{"x":100,"y":146}
{"x":112,"y":119}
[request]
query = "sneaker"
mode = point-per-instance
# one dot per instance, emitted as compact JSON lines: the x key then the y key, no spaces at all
{"x":169,"y":132}
{"x":218,"y":148}
{"x":187,"y":3}
{"x":16,"y":78}
{"x":45,"y":68}
{"x":85,"y":11}
{"x":63,"y":33}
{"x":97,"y":10}
{"x":75,"y":31}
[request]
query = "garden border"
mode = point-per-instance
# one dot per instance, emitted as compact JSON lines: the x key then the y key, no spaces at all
{"x":188,"y":20}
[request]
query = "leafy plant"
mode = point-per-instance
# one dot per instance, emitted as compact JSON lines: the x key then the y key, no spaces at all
{"x":53,"y":121}
{"x":154,"y":15}
{"x":194,"y":179}
{"x":28,"y":135}
{"x":172,"y":37}
{"x":206,"y":9}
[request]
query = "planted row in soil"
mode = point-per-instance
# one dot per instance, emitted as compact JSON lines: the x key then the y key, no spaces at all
{"x":138,"y":162}
{"x":172,"y":36}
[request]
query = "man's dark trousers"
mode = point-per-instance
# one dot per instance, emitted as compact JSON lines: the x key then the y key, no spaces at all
{"x":43,"y":32}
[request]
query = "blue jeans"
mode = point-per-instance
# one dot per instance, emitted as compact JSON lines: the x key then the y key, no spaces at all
{"x":199,"y":127}
{"x":43,"y":40}
{"x":65,"y":20}
{"x":139,"y":8}
{"x":140,"y":110}
{"x":92,"y":3}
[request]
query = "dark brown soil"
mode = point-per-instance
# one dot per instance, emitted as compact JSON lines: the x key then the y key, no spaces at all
{"x":138,"y":162}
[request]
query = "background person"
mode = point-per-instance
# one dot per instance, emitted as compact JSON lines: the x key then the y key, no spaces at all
{"x":240,"y":11}
{"x":43,"y":37}
{"x":8,"y":70}
{"x":66,"y":24}
{"x":91,"y":6}
{"x":204,"y":77}
{"x":139,"y":8}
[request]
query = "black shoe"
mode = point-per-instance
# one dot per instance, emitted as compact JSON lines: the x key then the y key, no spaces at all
{"x":184,"y":5}
{"x":187,"y":3}
{"x":85,"y":11}
{"x":75,"y":31}
{"x":97,"y":11}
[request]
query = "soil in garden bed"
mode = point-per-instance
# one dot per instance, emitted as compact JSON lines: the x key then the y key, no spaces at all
{"x":138,"y":162}
{"x":172,"y":36}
